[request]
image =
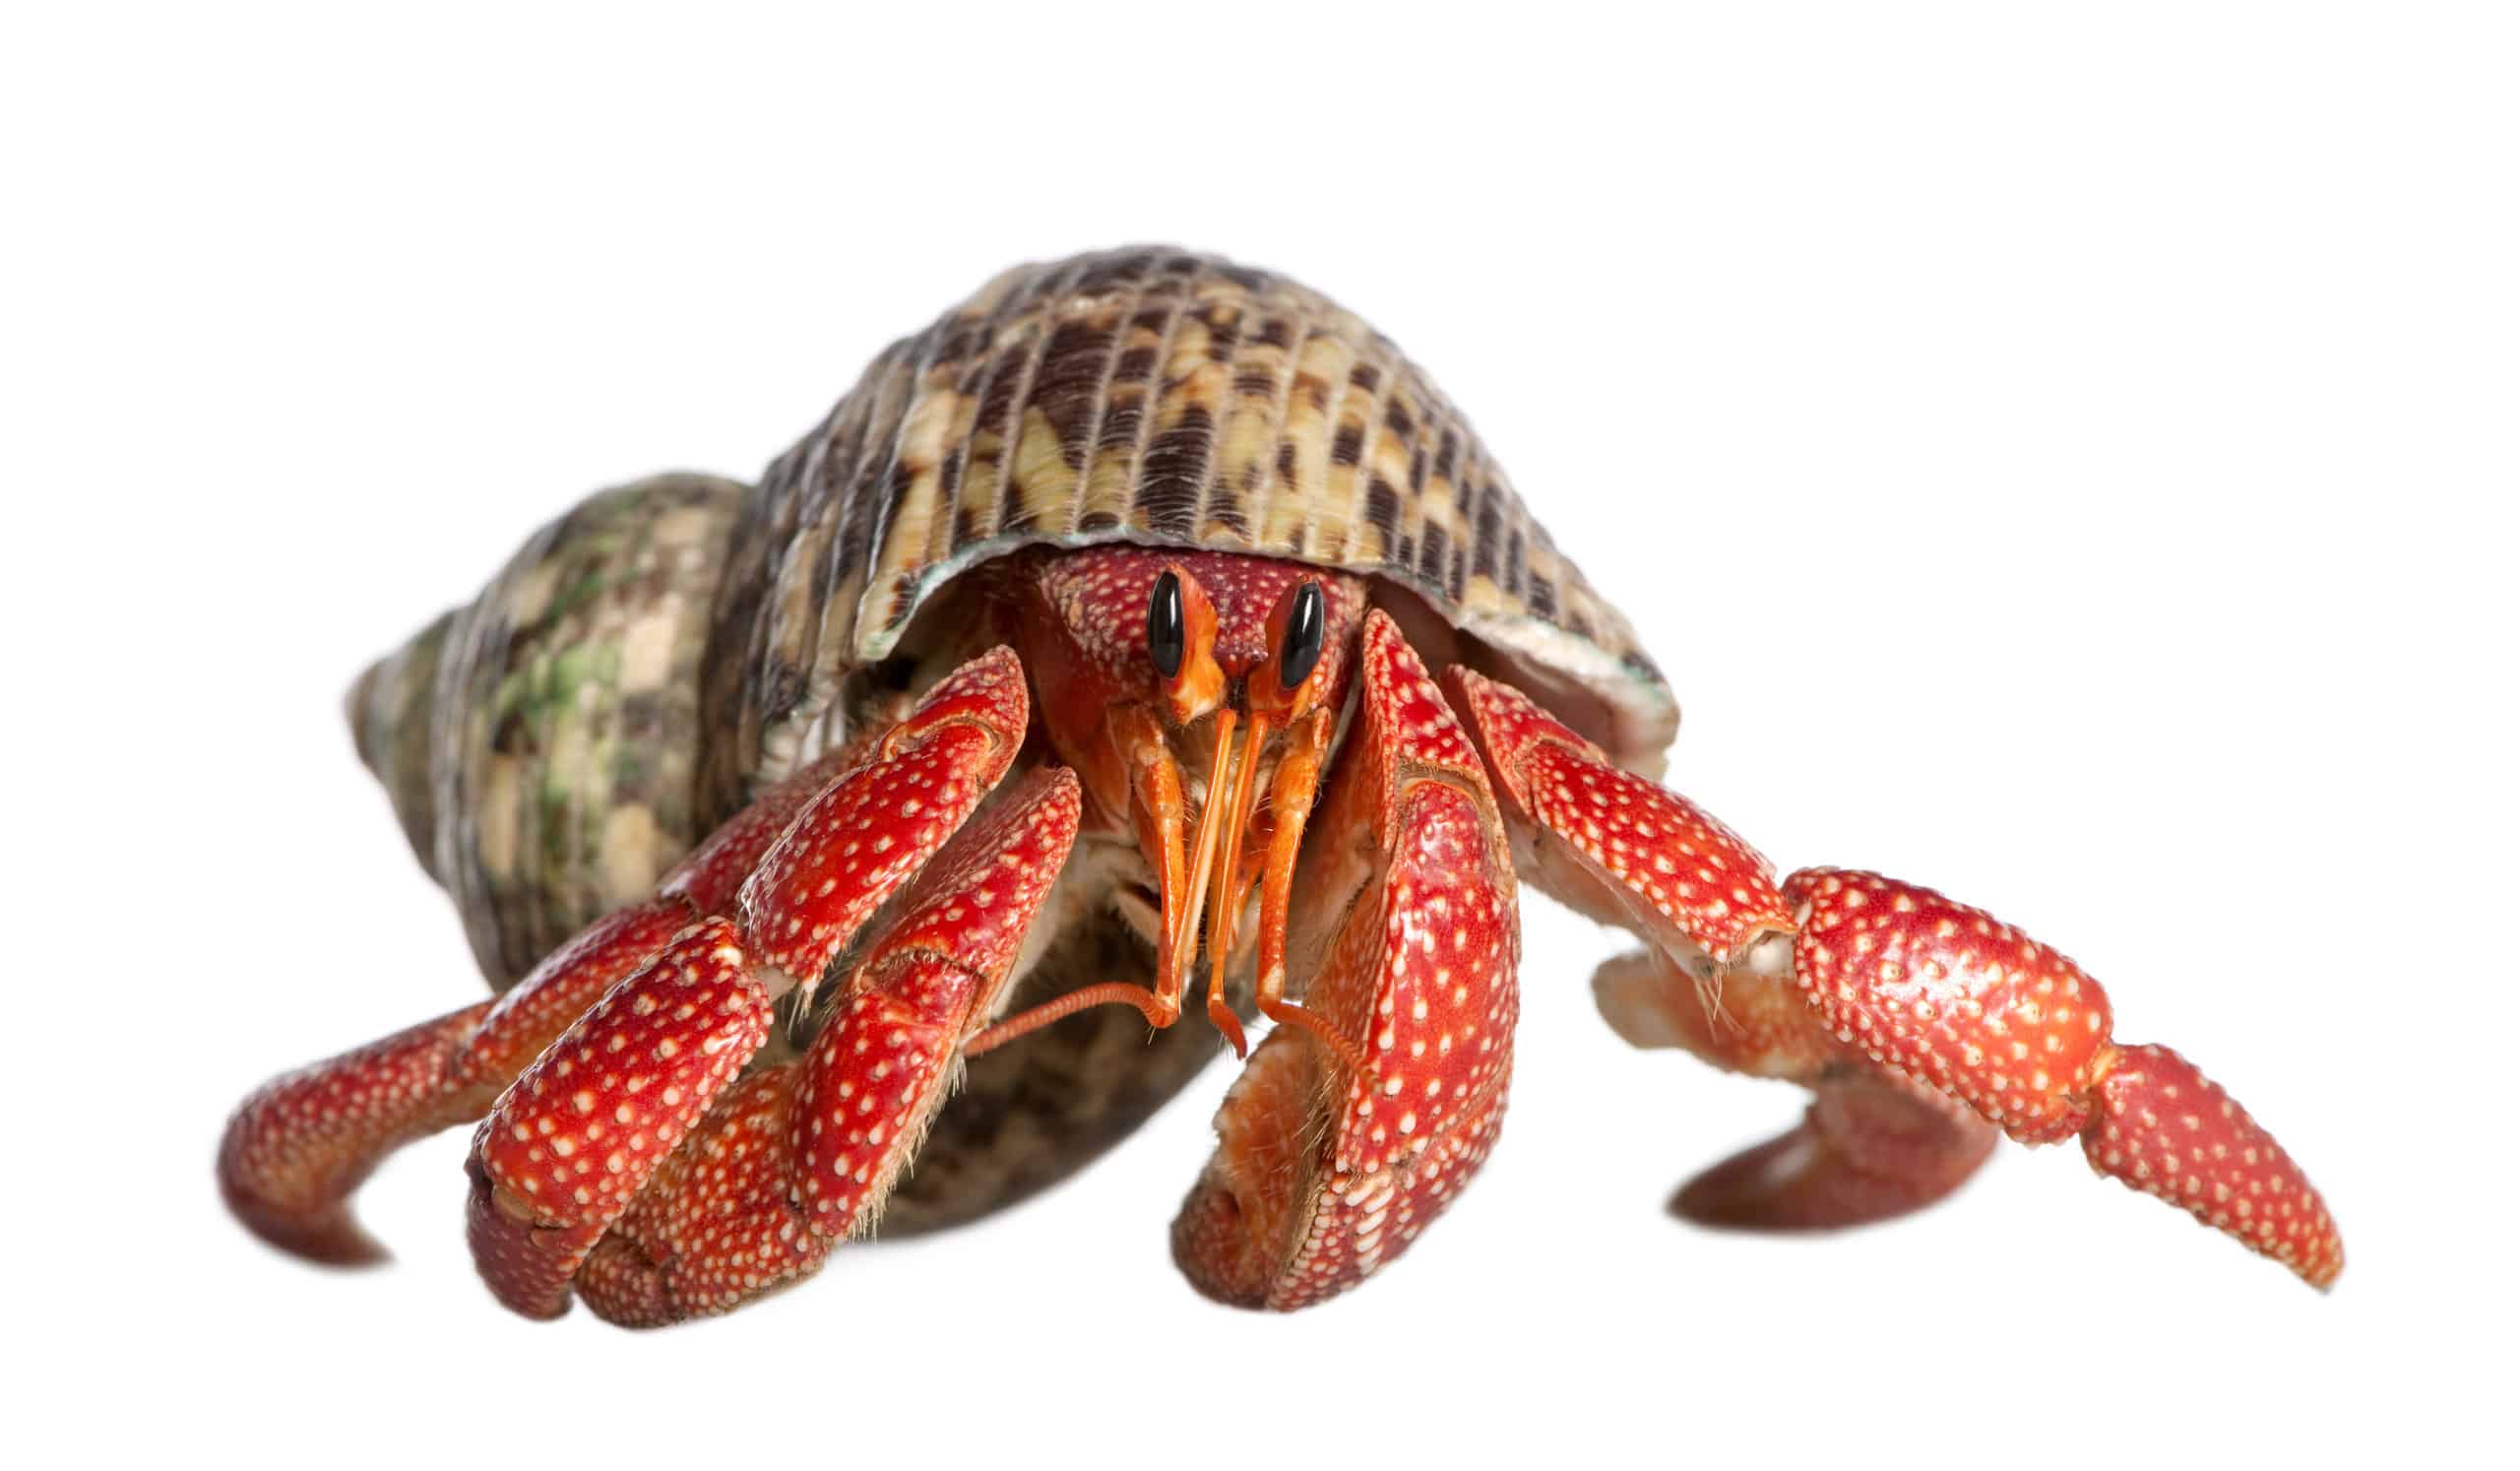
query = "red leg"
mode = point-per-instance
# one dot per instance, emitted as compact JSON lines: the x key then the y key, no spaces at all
{"x":1927,"y":993}
{"x":298,"y":1149}
{"x":1626,"y":852}
{"x":1954,"y":998}
{"x":1616,"y":846}
{"x":800,"y":1157}
{"x":1325,"y":1172}
{"x":303,"y":1144}
{"x":575,"y":1138}
{"x":2163,"y":1128}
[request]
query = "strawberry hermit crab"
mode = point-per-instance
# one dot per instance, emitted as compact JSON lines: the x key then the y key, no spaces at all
{"x":1146,"y":636}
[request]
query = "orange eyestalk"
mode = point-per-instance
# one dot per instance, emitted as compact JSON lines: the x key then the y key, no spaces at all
{"x":1181,"y":639}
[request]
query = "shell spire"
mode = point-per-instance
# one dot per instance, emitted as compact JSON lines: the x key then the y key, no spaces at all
{"x":539,"y":742}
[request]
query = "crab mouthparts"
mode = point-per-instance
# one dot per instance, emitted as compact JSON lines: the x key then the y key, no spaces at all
{"x":1218,"y":864}
{"x":1216,"y":888}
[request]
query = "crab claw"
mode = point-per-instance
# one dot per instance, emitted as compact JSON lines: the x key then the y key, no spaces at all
{"x":298,"y":1148}
{"x":572,"y":1143}
{"x":1324,"y":1172}
{"x":1960,"y":1001}
{"x":798,"y":1158}
{"x":575,"y":1139}
{"x":853,"y":845}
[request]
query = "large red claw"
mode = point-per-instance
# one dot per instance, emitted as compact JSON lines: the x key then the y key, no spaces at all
{"x":715,"y":1225}
{"x":573,"y":1143}
{"x":1616,"y":846}
{"x":877,"y":1072}
{"x":299,"y":1148}
{"x":1954,"y":999}
{"x":799,"y":1157}
{"x":574,"y":1139}
{"x":1323,"y":1174}
{"x":853,"y":845}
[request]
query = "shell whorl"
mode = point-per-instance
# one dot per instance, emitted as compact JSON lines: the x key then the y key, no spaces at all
{"x":540,"y":742}
{"x":1145,"y":394}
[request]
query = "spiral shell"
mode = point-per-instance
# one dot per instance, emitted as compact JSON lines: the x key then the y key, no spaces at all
{"x":540,"y":742}
{"x":647,"y":659}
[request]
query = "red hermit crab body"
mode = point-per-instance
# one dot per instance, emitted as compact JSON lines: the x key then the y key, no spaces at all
{"x":855,"y":845}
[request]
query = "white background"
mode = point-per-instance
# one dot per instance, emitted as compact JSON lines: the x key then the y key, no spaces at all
{"x":2064,"y":458}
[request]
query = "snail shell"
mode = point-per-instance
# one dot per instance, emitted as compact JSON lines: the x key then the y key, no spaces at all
{"x":540,"y":742}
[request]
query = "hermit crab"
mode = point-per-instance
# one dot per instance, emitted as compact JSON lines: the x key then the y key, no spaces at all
{"x":1146,"y":633}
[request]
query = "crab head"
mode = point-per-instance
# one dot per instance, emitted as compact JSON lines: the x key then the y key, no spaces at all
{"x":1197,"y":696}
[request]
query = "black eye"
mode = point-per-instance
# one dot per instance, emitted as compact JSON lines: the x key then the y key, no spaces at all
{"x":1303,"y":648}
{"x":1167,"y":637}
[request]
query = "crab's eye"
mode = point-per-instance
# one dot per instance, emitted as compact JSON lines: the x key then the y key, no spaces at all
{"x":1167,"y":634}
{"x":1301,"y":649}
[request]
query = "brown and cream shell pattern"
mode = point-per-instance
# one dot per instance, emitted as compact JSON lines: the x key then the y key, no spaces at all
{"x":1143,"y":395}
{"x":648,"y":657}
{"x":541,"y":743}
